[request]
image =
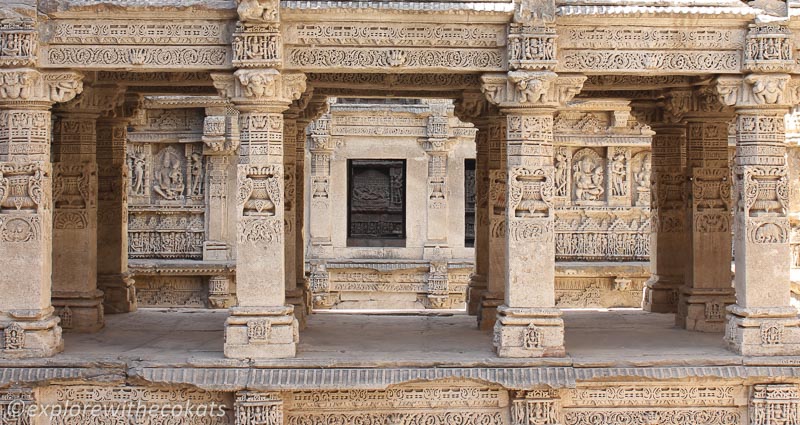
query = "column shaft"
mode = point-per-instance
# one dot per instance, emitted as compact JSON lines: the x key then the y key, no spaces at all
{"x":113,"y":277}
{"x":708,"y":288}
{"x":528,"y":324}
{"x":667,"y":215}
{"x":478,"y":285}
{"x":496,"y":279}
{"x":75,"y":295}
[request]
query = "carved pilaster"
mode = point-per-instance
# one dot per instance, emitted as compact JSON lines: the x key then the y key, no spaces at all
{"x":221,"y":140}
{"x":437,"y":147}
{"x":16,"y":406}
{"x":319,"y":282}
{"x":220,"y":292}
{"x":258,"y":408}
{"x":261,"y":325}
{"x":321,"y":146}
{"x":772,"y":404}
{"x":667,"y":202}
{"x":113,"y":176}
{"x":528,"y":324}
{"x":28,"y":326}
{"x":762,"y":322}
{"x":536,"y":407}
{"x":707,"y":290}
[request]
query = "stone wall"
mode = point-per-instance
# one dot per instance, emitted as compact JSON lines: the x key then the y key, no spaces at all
{"x":446,"y":401}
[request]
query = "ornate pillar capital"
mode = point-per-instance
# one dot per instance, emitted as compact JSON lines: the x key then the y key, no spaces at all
{"x":95,"y":101}
{"x":26,"y":88}
{"x":523,"y":90}
{"x":757,"y":91}
{"x":265,"y":90}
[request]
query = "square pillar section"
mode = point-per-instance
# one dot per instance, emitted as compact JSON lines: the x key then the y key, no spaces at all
{"x":75,"y":295}
{"x":762,"y":322}
{"x":28,"y":326}
{"x":708,"y":287}
{"x":528,"y":323}
{"x":262,"y":325}
{"x":668,"y":217}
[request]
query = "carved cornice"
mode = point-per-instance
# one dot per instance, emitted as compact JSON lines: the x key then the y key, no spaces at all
{"x":23,"y":86}
{"x":530,"y":89}
{"x":261,"y":87}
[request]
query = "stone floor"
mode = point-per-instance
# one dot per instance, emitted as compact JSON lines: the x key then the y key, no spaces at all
{"x":194,"y":338}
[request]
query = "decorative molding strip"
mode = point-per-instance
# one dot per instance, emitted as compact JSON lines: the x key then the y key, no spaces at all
{"x":200,"y":57}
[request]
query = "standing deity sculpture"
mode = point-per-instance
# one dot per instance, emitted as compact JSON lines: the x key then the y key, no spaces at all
{"x":197,"y":174}
{"x":137,"y":161}
{"x":561,"y":173}
{"x":642,"y":178}
{"x":619,"y":185}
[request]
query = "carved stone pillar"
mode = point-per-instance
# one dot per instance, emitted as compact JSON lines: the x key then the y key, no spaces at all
{"x":75,"y":295}
{"x":478,"y":284}
{"x":528,"y":324}
{"x":497,"y":273}
{"x":113,"y":278}
{"x":535,"y":407}
{"x":667,"y":215}
{"x":762,"y":322}
{"x":436,"y":146}
{"x":258,"y":408}
{"x":470,"y":108}
{"x":293,"y":293}
{"x":221,"y":141}
{"x":29,"y":327}
{"x":321,"y":146}
{"x":708,"y":288}
{"x":261,"y":325}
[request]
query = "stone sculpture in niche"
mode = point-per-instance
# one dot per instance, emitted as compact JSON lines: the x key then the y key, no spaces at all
{"x":169,"y":182}
{"x":138,"y":163}
{"x":619,"y":185}
{"x":588,"y":177}
{"x":197,"y":174}
{"x":643,"y":182}
{"x":562,"y":172}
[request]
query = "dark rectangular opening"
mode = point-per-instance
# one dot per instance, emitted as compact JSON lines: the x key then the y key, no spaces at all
{"x":469,"y":203}
{"x":376,"y":202}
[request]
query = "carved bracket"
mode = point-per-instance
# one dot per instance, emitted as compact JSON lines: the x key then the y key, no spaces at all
{"x":528,"y":89}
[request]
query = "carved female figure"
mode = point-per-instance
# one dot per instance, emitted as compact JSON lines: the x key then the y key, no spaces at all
{"x":618,"y":175}
{"x":137,"y":185}
{"x":197,"y":174}
{"x":561,"y":174}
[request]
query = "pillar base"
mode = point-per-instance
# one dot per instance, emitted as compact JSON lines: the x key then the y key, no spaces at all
{"x":30,"y":334}
{"x":529,"y":332}
{"x":487,"y":311}
{"x":296,"y":297}
{"x":661,"y":294}
{"x":80,"y":312}
{"x":703,"y":310}
{"x":763,"y":331}
{"x":475,"y":291}
{"x":261,"y":333}
{"x":119,"y":293}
